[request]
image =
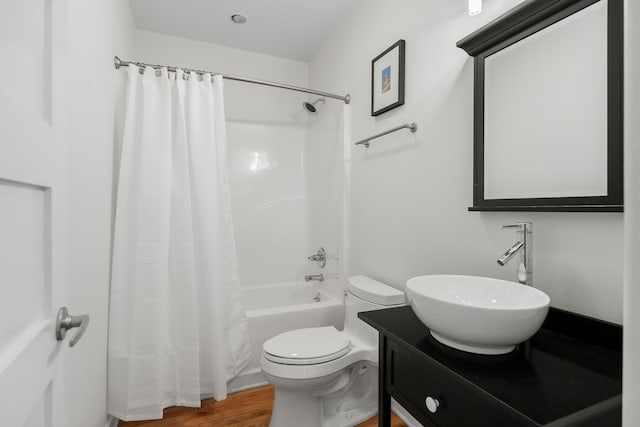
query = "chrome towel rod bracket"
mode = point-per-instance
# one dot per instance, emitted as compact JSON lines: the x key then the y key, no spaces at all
{"x":413,"y":127}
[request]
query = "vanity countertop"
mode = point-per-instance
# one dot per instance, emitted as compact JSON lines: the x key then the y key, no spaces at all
{"x":569,"y":373}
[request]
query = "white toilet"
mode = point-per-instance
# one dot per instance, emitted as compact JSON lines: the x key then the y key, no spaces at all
{"x":329,"y":378}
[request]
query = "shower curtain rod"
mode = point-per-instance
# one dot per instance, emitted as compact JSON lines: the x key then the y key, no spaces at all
{"x":120,"y":63}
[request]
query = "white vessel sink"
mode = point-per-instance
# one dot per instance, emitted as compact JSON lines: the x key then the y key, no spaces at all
{"x":477,"y":314}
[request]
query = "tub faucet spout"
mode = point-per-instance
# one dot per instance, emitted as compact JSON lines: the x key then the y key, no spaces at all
{"x":316,"y":277}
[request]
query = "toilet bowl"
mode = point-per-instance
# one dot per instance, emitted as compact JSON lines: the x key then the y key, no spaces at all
{"x":324,"y":377}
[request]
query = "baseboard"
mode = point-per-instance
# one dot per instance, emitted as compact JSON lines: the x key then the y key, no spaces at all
{"x":248,"y":387}
{"x":250,"y":378}
{"x":404,"y":415}
{"x":112,"y":422}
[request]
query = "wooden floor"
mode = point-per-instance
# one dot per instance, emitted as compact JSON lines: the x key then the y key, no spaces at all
{"x":250,"y":408}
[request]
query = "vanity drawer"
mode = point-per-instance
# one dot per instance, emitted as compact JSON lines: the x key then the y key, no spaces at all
{"x":411,"y":380}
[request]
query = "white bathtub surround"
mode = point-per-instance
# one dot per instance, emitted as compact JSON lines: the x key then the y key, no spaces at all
{"x":177,"y":326}
{"x":324,"y":377}
{"x":285,"y":166}
{"x":272,"y":309}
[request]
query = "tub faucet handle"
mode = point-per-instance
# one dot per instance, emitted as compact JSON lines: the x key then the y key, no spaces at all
{"x":320,"y":257}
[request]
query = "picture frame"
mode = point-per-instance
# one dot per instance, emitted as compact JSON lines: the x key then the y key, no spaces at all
{"x":387,"y":79}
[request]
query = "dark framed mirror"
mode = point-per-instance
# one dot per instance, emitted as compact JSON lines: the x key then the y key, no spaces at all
{"x":548,"y":107}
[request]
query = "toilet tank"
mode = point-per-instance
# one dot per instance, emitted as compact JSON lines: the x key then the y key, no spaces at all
{"x":366,"y":294}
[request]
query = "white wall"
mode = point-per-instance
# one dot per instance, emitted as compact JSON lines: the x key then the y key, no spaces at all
{"x":97,"y":31}
{"x":410,"y":192}
{"x":631,"y":368}
{"x":275,"y":168}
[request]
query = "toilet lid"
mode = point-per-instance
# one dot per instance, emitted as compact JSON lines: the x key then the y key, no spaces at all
{"x":307,"y":346}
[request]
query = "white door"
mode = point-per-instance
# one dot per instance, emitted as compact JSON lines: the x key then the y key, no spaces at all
{"x":33,"y":121}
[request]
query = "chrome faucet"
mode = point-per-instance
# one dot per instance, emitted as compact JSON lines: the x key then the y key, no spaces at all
{"x":320,"y":257}
{"x":524,"y":246}
{"x":317,"y":277}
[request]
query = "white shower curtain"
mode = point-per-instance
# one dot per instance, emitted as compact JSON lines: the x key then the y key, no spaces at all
{"x":177,"y":329}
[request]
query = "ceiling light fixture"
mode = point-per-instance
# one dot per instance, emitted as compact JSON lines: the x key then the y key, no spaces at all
{"x":475,"y":7}
{"x":238,"y":19}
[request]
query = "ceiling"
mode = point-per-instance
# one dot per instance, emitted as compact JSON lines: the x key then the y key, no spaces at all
{"x":292,"y":29}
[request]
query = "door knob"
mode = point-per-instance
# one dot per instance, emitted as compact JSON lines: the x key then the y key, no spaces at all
{"x":65,"y":321}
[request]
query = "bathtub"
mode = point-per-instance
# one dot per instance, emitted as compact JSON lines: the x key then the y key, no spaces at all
{"x":273,"y":309}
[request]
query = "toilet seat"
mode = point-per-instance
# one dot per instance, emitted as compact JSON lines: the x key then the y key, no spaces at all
{"x":308,"y":346}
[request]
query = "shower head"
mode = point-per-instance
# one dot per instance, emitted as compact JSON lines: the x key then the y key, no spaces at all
{"x":310,"y":108}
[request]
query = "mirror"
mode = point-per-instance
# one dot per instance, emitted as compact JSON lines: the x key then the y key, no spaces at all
{"x":548,"y":107}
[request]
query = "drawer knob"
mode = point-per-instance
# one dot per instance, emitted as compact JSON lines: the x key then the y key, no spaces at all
{"x":432,"y":404}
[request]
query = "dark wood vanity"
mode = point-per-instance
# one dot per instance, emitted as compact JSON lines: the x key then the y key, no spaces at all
{"x":568,"y":374}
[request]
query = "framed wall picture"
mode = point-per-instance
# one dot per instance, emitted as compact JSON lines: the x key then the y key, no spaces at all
{"x":387,"y":79}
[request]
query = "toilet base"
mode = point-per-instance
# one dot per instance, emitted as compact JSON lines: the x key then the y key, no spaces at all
{"x":316,"y":402}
